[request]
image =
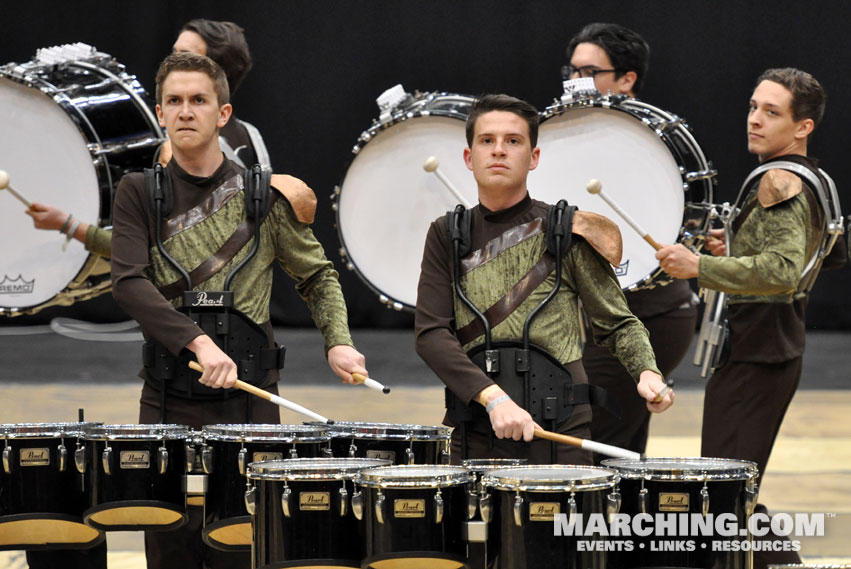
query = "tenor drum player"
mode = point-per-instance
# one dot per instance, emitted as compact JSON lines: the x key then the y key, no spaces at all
{"x":204,"y":217}
{"x":778,"y":236}
{"x":503,"y":259}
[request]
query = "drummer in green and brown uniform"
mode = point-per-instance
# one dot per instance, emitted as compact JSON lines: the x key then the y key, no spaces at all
{"x":777,"y":232}
{"x":506,"y":274}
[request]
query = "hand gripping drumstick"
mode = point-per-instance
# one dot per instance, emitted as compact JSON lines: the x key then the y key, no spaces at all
{"x":431,"y":166}
{"x":593,"y":446}
{"x":4,"y":184}
{"x":371,"y":383}
{"x":594,"y":186}
{"x":279,"y":401}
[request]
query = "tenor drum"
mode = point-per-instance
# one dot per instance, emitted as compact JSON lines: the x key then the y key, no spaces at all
{"x":649,"y":164}
{"x":42,"y":495}
{"x":685,"y":488}
{"x":398,"y":443}
{"x":227,"y":452}
{"x":73,"y":122}
{"x":137,"y":474}
{"x":528,"y":499}
{"x":304,"y":512}
{"x":387,"y":201}
{"x":414,"y":516}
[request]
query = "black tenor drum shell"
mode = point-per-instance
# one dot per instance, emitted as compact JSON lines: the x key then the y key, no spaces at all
{"x":398,"y":443}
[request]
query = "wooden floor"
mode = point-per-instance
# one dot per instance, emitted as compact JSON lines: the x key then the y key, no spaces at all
{"x":810,"y":469}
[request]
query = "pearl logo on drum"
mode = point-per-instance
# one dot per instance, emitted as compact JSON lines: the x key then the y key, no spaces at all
{"x":132,"y":459}
{"x":543,"y":511}
{"x":673,"y":502}
{"x":17,"y":285}
{"x":35,"y":457}
{"x":382,"y":455}
{"x":314,"y":501}
{"x":409,"y":508}
{"x":202,"y":299}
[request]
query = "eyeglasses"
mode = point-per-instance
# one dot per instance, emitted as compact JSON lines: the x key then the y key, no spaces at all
{"x":586,"y":71}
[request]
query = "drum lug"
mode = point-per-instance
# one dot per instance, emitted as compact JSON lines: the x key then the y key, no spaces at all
{"x":751,"y":496}
{"x":241,"y":459}
{"x":106,"y":460}
{"x":327,"y":452}
{"x":704,"y":500}
{"x":409,"y":456}
{"x":518,"y":510}
{"x":190,"y":458}
{"x":642,"y":499}
{"x":293,"y":453}
{"x":613,"y":505}
{"x":344,"y":501}
{"x":285,"y":500}
{"x":379,"y":507}
{"x":353,"y":449}
{"x":472,"y":505}
{"x":7,"y":459}
{"x":438,"y":507}
{"x":444,"y":456}
{"x":250,"y":500}
{"x":357,"y":505}
{"x":485,"y":507}
{"x":80,"y":459}
{"x":207,"y":459}
{"x":63,"y":456}
{"x":162,"y":459}
{"x":571,"y":508}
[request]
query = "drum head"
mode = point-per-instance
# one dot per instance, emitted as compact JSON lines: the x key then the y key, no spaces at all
{"x":635,"y":167}
{"x":389,"y":431}
{"x":312,"y":468}
{"x":549,"y":478}
{"x":415,"y":476}
{"x":267,"y":432}
{"x":696,"y":468}
{"x":48,"y":161}
{"x":387,"y":201}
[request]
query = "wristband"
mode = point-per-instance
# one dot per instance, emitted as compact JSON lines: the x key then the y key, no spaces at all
{"x":501,"y":399}
{"x":65,"y":225}
{"x":70,"y":234}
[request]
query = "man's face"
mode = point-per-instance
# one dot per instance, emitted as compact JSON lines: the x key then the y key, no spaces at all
{"x":190,"y":41}
{"x":190,"y":111}
{"x":772,"y":130}
{"x":501,"y":154}
{"x":592,"y":57}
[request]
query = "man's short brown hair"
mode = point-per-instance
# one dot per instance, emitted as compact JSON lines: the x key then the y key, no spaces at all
{"x":186,"y":61}
{"x":488,"y":103}
{"x":808,"y":97}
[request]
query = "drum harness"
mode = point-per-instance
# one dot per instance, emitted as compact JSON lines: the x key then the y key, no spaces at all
{"x":213,"y":311}
{"x":713,"y":340}
{"x":534,"y":368}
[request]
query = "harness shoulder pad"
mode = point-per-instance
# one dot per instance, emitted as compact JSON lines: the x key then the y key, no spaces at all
{"x":601,"y":233}
{"x":560,"y":224}
{"x":158,"y":186}
{"x":777,"y":186}
{"x":257,"y":191}
{"x":299,"y":194}
{"x":459,"y":226}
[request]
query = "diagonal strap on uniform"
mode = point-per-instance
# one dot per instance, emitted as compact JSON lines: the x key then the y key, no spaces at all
{"x":218,"y":260}
{"x":500,"y":310}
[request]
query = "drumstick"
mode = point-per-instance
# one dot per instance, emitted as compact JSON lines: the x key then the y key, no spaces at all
{"x":593,"y":446}
{"x":279,"y":401}
{"x":431,"y":165}
{"x":594,"y":186}
{"x":662,"y":393}
{"x":4,"y":185}
{"x":371,"y":383}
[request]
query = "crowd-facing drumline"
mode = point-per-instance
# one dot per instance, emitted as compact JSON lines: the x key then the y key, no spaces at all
{"x":529,"y":309}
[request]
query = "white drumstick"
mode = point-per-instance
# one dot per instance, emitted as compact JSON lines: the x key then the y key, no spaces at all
{"x":371,"y":383}
{"x":4,"y":185}
{"x":431,"y":165}
{"x":594,"y":186}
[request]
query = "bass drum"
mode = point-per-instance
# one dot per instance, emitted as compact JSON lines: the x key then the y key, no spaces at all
{"x":649,"y":164}
{"x":73,"y":122}
{"x":387,"y":200}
